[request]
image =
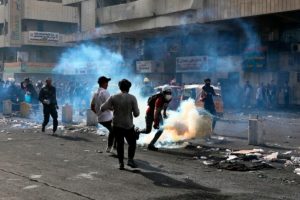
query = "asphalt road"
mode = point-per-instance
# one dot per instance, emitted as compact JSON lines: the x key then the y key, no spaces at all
{"x":70,"y":167}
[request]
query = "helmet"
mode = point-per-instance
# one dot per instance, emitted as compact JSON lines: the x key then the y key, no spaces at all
{"x":146,"y":80}
{"x":167,"y":89}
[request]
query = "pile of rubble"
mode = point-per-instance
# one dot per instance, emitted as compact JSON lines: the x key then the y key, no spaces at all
{"x":248,"y":160}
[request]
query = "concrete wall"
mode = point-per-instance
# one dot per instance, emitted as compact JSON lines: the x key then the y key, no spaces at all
{"x":144,"y":9}
{"x":88,"y":15}
{"x":49,"y":11}
{"x":2,"y":13}
{"x":68,"y":2}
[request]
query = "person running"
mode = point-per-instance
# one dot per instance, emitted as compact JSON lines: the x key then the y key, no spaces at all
{"x":48,"y":98}
{"x":157,"y":104}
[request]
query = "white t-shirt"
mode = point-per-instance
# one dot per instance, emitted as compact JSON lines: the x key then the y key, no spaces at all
{"x":100,"y":98}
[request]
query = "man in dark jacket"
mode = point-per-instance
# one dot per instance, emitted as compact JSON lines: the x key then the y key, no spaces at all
{"x":48,"y":98}
{"x":207,"y":97}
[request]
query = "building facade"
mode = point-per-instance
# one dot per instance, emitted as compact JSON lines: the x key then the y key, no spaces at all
{"x":32,"y":34}
{"x":230,"y":41}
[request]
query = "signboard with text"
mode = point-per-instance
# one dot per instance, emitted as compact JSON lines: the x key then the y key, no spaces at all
{"x":149,"y":66}
{"x":194,"y":64}
{"x":43,"y":36}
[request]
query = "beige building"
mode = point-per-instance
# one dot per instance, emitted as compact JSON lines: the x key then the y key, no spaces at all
{"x":229,"y":40}
{"x":32,"y":35}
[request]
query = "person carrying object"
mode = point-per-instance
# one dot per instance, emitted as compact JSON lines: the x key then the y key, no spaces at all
{"x":125,"y":107}
{"x":104,"y":118}
{"x":156,"y":104}
{"x":47,"y":97}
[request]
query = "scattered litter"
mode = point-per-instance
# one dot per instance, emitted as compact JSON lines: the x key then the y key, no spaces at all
{"x":38,"y":154}
{"x":203,"y":157}
{"x":288,"y":152}
{"x":238,"y":166}
{"x":271,"y":157}
{"x":232,"y":157}
{"x":297,"y":171}
{"x":30,"y":187}
{"x":87,"y":150}
{"x":35,"y":176}
{"x":66,"y":160}
{"x":199,"y":147}
{"x":248,"y":151}
{"x":9,"y":139}
{"x":86,"y":175}
{"x":208,"y":163}
{"x":296,"y":160}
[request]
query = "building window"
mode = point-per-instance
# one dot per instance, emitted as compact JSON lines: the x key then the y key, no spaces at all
{"x":298,"y":77}
{"x":40,"y":26}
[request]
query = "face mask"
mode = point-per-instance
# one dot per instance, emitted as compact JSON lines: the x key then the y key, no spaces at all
{"x":208,"y":84}
{"x":168,"y":97}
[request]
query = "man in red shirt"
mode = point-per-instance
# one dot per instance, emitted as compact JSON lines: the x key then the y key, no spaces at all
{"x":156,"y":104}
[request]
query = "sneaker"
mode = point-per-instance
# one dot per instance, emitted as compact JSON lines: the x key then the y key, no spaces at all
{"x":131,"y":164}
{"x":121,"y":166}
{"x":108,"y":149}
{"x":152,"y":148}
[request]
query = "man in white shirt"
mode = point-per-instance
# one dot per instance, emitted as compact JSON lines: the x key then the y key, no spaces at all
{"x":104,"y":117}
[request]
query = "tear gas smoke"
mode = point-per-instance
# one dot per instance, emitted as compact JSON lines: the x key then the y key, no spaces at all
{"x":186,"y":123}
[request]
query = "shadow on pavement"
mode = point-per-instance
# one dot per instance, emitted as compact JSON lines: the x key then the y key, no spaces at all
{"x":70,"y":138}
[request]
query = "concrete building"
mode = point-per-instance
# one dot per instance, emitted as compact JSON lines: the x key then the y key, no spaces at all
{"x":229,"y":40}
{"x":32,"y":35}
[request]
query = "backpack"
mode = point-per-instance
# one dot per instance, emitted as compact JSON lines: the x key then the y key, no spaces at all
{"x":153,"y":98}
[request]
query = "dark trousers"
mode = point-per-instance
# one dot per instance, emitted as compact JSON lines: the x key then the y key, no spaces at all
{"x":128,"y":134}
{"x":212,"y":110}
{"x":111,"y":137}
{"x":50,"y":110}
{"x":148,"y":129}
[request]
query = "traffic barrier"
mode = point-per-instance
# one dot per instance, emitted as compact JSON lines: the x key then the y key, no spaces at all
{"x":91,"y":118}
{"x":7,"y":107}
{"x":67,"y":114}
{"x":25,"y":109}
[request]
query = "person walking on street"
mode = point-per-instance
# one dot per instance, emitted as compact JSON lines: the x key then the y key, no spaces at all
{"x":104,"y":118}
{"x":156,"y":104}
{"x":207,"y":97}
{"x":47,"y":97}
{"x":286,"y":94}
{"x":247,"y":95}
{"x":124,"y":106}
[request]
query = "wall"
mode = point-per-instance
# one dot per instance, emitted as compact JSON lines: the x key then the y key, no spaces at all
{"x":49,"y":11}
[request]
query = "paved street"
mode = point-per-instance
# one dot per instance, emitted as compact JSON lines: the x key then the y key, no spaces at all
{"x":39,"y":166}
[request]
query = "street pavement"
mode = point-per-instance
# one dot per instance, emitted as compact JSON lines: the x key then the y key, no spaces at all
{"x":74,"y":165}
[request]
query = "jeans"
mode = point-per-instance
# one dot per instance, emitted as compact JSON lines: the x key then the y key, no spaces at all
{"x":50,"y":110}
{"x":111,"y":137}
{"x":128,"y":134}
{"x":148,"y":129}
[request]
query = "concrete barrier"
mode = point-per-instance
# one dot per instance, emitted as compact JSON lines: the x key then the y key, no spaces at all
{"x":67,"y":114}
{"x":7,"y":107}
{"x":25,"y":109}
{"x":255,"y":131}
{"x":91,"y":118}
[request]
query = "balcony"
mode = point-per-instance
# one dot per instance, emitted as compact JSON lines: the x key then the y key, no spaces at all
{"x":50,"y":11}
{"x":145,"y":9}
{"x":70,"y":2}
{"x":43,"y":38}
{"x":28,"y":67}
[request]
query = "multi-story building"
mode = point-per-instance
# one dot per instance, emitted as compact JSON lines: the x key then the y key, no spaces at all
{"x":32,"y":35}
{"x":229,"y":40}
